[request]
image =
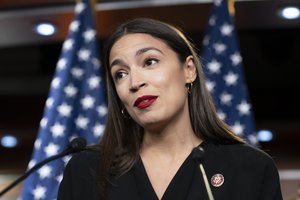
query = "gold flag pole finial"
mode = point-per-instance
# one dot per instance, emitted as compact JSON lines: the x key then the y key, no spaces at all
{"x":93,"y":6}
{"x":231,"y":7}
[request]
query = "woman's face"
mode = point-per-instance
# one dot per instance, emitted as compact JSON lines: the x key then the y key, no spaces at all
{"x":150,"y":80}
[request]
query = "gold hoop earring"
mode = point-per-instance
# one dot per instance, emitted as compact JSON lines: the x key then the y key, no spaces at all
{"x":125,"y":114}
{"x":189,"y":87}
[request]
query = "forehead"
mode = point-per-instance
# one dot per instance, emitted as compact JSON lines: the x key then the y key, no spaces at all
{"x":134,"y":41}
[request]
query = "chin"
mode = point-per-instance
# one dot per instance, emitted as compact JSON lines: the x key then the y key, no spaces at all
{"x":153,"y":124}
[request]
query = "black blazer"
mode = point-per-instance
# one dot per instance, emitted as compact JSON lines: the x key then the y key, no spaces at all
{"x":235,"y":172}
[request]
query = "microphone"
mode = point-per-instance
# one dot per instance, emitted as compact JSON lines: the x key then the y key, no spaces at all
{"x":197,"y":155}
{"x":76,"y":145}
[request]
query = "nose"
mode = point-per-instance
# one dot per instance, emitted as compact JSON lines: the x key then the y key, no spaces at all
{"x":136,"y":81}
{"x":135,"y":88}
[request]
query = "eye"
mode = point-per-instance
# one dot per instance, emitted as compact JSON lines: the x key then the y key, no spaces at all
{"x":119,"y":75}
{"x":150,"y":61}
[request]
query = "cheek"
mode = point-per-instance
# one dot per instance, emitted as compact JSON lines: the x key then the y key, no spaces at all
{"x":159,"y":79}
{"x":175,"y":84}
{"x":164,"y":75}
{"x":121,"y":94}
{"x":170,"y":78}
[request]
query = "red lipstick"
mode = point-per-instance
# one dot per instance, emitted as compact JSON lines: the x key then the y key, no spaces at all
{"x":144,"y":101}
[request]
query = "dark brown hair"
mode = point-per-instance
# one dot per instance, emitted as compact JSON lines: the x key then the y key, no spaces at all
{"x":122,"y":137}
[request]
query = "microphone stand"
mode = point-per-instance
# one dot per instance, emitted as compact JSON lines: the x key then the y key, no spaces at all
{"x":209,"y":192}
{"x":198,"y":154}
{"x":76,"y":145}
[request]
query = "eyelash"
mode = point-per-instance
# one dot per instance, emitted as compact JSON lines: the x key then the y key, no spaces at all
{"x":150,"y":59}
{"x":120,"y":74}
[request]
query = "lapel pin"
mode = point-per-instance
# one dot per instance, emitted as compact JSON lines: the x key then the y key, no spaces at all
{"x":217,"y":180}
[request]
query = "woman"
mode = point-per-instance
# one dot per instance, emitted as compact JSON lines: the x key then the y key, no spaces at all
{"x":159,"y":111}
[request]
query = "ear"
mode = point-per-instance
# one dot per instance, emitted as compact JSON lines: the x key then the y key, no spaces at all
{"x":190,"y":70}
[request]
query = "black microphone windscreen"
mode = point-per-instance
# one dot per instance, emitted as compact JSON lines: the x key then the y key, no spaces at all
{"x":197,"y":154}
{"x":78,"y":144}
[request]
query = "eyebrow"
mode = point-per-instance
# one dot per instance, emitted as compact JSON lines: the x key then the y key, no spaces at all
{"x":116,"y":62}
{"x":138,"y":52}
{"x":143,"y":50}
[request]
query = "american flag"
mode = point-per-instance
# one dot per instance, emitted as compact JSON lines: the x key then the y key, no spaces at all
{"x":75,"y":105}
{"x":224,"y":71}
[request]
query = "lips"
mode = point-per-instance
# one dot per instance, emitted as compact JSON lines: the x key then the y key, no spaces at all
{"x":144,"y":101}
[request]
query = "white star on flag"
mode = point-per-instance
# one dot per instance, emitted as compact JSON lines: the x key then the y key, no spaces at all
{"x":39,"y":192}
{"x":37,"y":144}
{"x":221,"y":114}
{"x":253,"y":139}
{"x":61,"y":64}
{"x":66,"y":159}
{"x":82,"y":122}
{"x":212,"y":20}
{"x":64,"y":110}
{"x":219,"y":47}
{"x":68,"y":44}
{"x":74,"y":26}
{"x":57,"y":130}
{"x":214,"y":66}
{"x":88,"y":102}
{"x":226,"y":29}
{"x":59,"y":178}
{"x":89,"y":35}
{"x":210,"y":85}
{"x":96,"y":63}
{"x":226,"y":98}
{"x":55,"y":83}
{"x":98,"y":129}
{"x":205,"y":40}
{"x":43,"y":122}
{"x":51,"y":149}
{"x":70,"y":90}
{"x":102,"y":110}
{"x":79,"y":7}
{"x":238,"y":128}
{"x":244,"y":108}
{"x":77,"y":72}
{"x":84,"y":54}
{"x":230,"y":78}
{"x":49,"y":102}
{"x":94,"y":82}
{"x":45,"y":172}
{"x":236,"y":59}
{"x":31,"y":164}
{"x":218,"y":2}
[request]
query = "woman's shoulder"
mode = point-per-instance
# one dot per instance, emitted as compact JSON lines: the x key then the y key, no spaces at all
{"x":244,"y":153}
{"x":80,"y":177}
{"x":86,"y":155}
{"x":250,"y":152}
{"x":86,"y":160}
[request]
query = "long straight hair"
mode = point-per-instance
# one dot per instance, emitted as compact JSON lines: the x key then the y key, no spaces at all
{"x":122,"y":137}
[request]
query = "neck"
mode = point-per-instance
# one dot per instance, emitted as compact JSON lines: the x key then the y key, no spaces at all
{"x":168,"y":148}
{"x":174,"y":138}
{"x":170,"y":139}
